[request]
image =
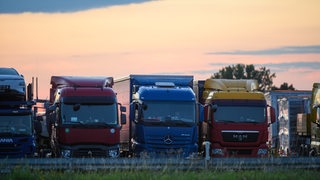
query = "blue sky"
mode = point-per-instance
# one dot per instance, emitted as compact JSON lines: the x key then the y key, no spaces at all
{"x":58,"y":6}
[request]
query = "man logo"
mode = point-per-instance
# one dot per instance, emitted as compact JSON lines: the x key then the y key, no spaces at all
{"x":6,"y":140}
{"x":240,"y":137}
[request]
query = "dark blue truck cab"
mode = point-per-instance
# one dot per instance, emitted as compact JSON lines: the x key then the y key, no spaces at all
{"x":163,"y":115}
{"x":16,"y":129}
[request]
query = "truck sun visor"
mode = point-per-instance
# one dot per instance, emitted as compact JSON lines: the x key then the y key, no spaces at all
{"x":89,"y":100}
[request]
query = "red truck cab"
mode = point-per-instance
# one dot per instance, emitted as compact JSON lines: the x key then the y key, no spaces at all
{"x":84,"y":117}
{"x":236,"y":117}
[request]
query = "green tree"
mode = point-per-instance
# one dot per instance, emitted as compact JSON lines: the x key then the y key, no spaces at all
{"x":284,"y":86}
{"x":241,"y":71}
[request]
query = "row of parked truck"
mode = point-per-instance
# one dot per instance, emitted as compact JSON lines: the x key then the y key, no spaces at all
{"x":140,"y":116}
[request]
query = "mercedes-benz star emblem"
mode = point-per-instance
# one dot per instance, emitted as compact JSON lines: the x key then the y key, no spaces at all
{"x":167,"y":139}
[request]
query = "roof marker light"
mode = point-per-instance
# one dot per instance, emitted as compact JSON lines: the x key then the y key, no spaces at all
{"x":165,"y":84}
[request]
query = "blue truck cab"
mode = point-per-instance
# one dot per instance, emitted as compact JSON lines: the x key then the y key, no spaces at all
{"x":163,"y":115}
{"x":16,"y":129}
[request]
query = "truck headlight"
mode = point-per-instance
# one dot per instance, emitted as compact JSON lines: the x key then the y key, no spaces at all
{"x":113,"y":153}
{"x":66,"y":153}
{"x":217,"y":152}
{"x":22,"y":83}
{"x":262,"y":152}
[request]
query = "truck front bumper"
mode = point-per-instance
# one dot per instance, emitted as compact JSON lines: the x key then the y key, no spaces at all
{"x":219,"y":151}
{"x":156,"y":150}
{"x":90,"y":151}
{"x":17,"y":147}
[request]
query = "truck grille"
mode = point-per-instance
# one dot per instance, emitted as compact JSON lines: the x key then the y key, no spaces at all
{"x":167,"y":141}
{"x":89,"y":152}
{"x":240,"y":136}
{"x":11,"y":148}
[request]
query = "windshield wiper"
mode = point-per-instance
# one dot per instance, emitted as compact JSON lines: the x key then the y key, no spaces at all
{"x":151,"y":121}
{"x":77,"y":123}
{"x":91,"y":124}
{"x":100,"y":124}
{"x":248,"y":120}
{"x":178,"y":122}
{"x":253,"y":122}
{"x":227,"y":121}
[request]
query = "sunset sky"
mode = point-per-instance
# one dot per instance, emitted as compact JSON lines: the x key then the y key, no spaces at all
{"x":185,"y":37}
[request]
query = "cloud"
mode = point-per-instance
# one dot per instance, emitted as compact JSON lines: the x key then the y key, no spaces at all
{"x":302,"y":64}
{"x":274,"y":51}
{"x":288,"y":65}
{"x":281,"y":66}
{"x":296,"y":66}
{"x":204,"y":72}
{"x":58,"y":6}
{"x":222,"y":64}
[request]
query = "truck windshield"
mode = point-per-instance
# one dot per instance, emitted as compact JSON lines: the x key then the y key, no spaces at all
{"x":240,"y":114}
{"x":175,"y":112}
{"x":16,"y":125}
{"x":89,"y":114}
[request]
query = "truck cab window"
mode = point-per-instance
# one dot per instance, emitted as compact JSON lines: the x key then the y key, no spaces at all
{"x":170,"y":111}
{"x":89,"y":114}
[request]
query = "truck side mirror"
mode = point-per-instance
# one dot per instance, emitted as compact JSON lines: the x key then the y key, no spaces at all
{"x":144,"y":106}
{"x":52,"y":107}
{"x":214,"y":107}
{"x":210,"y":108}
{"x":131,"y":113}
{"x":123,"y":109}
{"x":137,"y":111}
{"x":317,"y":119}
{"x":29,"y":92}
{"x":51,"y":119}
{"x":37,"y":126}
{"x":272,"y":114}
{"x":200,"y":113}
{"x":123,"y":119}
{"x":76,"y":107}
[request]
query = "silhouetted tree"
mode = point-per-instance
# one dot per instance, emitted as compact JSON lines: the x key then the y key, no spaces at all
{"x":241,"y":71}
{"x":284,"y":86}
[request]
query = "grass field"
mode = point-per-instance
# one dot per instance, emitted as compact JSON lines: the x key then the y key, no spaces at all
{"x":25,"y":173}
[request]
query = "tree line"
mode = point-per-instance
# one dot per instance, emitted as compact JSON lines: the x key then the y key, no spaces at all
{"x":262,"y":75}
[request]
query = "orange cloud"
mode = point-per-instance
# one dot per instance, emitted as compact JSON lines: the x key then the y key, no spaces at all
{"x":170,"y":36}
